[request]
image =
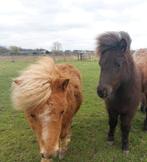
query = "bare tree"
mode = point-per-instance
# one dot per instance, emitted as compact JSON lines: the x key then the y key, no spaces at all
{"x":57,"y":47}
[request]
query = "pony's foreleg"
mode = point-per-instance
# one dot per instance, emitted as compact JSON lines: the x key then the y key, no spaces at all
{"x":113,"y":118}
{"x":125,"y":129}
{"x":145,"y":120}
{"x":64,"y":142}
{"x":64,"y":146}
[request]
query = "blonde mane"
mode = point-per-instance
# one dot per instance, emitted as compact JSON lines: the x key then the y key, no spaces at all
{"x":33,"y":87}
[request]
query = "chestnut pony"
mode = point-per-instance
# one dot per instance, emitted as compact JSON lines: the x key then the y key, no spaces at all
{"x":49,"y":94}
{"x":140,"y":58}
{"x":119,"y":83}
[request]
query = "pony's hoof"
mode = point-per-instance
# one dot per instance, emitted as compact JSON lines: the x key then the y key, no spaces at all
{"x":126,"y":152}
{"x":110,"y":143}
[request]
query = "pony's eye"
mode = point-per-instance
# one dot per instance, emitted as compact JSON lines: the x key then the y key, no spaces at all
{"x":62,"y":112}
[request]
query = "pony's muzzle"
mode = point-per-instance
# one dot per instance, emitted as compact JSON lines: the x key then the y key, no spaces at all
{"x":49,"y":157}
{"x":102,"y":92}
{"x":45,"y":156}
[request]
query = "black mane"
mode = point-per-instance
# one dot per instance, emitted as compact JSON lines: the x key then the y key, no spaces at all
{"x":119,"y":41}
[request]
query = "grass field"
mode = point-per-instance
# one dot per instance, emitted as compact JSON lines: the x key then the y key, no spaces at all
{"x":18,"y":143}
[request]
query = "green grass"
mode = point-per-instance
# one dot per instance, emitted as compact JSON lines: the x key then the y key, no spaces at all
{"x":18,"y":143}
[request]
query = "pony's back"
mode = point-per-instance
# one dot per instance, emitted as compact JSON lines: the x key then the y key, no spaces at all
{"x":67,"y":70}
{"x":140,"y":58}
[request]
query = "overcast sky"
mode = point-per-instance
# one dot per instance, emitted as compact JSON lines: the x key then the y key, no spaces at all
{"x":74,"y":23}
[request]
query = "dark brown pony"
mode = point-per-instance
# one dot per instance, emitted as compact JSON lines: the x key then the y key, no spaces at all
{"x":140,"y":58}
{"x":119,"y":83}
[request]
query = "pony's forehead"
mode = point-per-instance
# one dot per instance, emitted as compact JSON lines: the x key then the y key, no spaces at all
{"x":112,"y":56}
{"x":46,"y":110}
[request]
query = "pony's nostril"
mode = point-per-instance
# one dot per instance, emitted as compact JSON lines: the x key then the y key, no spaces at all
{"x":42,"y":155}
{"x":46,"y":156}
{"x":102,"y":92}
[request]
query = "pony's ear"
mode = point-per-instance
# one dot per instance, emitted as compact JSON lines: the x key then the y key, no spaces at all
{"x":64,"y":83}
{"x":61,"y":84}
{"x":123,"y":45}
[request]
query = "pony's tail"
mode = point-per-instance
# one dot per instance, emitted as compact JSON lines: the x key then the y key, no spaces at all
{"x":33,"y":87}
{"x":119,"y":41}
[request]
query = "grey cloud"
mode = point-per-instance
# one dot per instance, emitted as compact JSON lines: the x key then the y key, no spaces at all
{"x":37,"y":20}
